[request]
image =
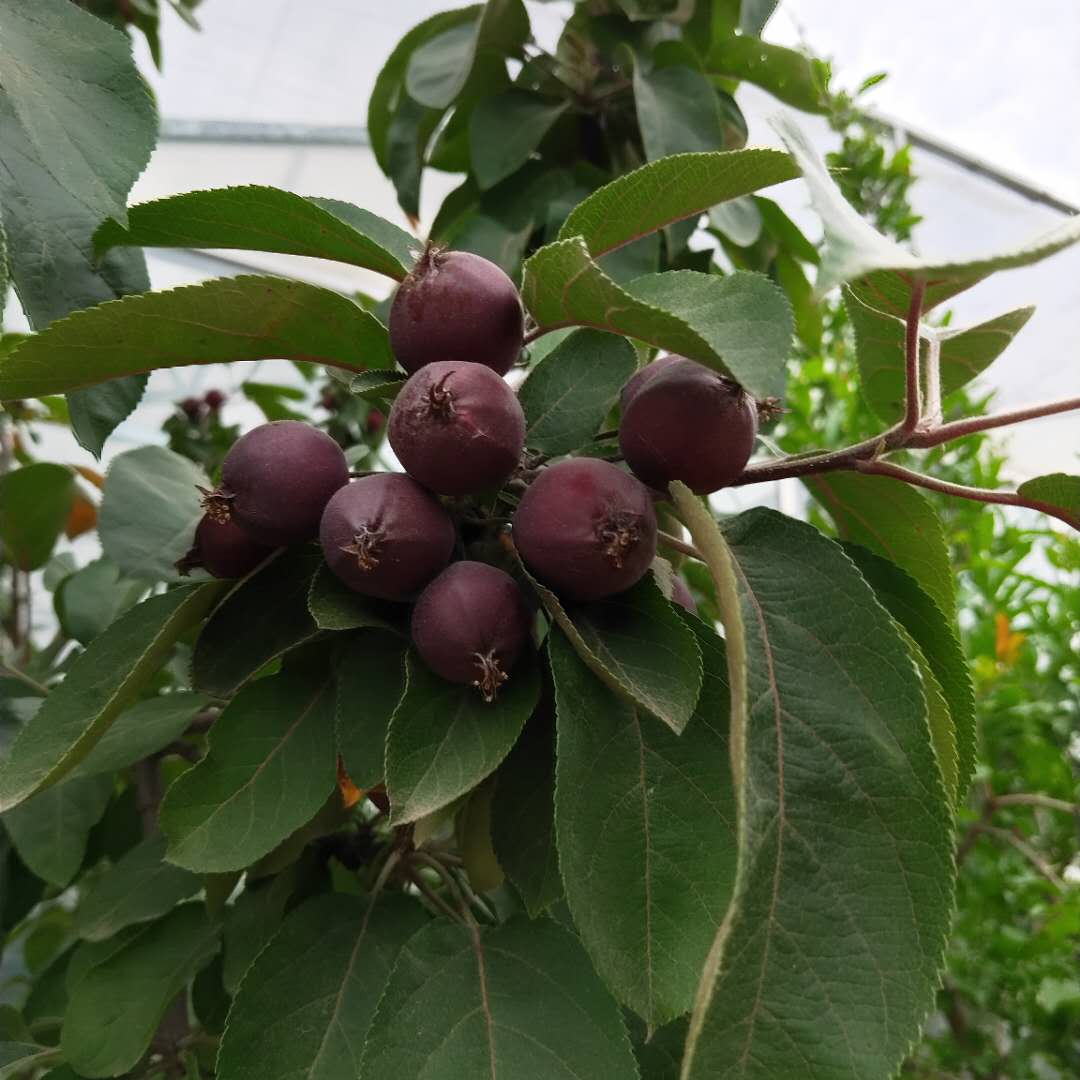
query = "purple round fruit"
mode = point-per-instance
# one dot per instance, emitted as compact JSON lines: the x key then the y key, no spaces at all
{"x":223,"y":550}
{"x":691,"y":424}
{"x":276,"y":481}
{"x":681,"y":595}
{"x":456,"y":306}
{"x":457,"y":428}
{"x":586,"y":528}
{"x":643,"y":376}
{"x":470,"y":625}
{"x":384,"y":535}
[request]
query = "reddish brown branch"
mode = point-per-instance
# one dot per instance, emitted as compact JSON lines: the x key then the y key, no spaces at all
{"x":944,"y":433}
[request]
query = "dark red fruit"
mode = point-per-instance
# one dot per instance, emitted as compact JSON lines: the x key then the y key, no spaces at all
{"x":276,"y":481}
{"x":586,"y":528}
{"x":375,"y":420}
{"x":457,"y":428}
{"x":223,"y":550}
{"x":681,"y":595}
{"x":456,"y":306}
{"x":385,"y":536}
{"x":214,"y":400}
{"x":192,"y":408}
{"x":470,"y":625}
{"x":642,"y":377}
{"x":691,"y":424}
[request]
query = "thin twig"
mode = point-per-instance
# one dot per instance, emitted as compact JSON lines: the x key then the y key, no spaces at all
{"x":957,"y":429}
{"x":149,"y":792}
{"x":912,"y":381}
{"x":432,"y":896}
{"x":1045,"y":801}
{"x":27,"y":680}
{"x":1027,"y":851}
{"x":667,"y":540}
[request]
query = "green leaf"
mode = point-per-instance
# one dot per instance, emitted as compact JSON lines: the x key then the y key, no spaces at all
{"x":637,"y":644}
{"x":830,"y":953}
{"x":505,"y":129}
{"x":305,"y":1007}
{"x":253,"y":920}
{"x":91,"y":599}
{"x":738,"y":219}
{"x":241,"y":318}
{"x":271,"y":399}
{"x":739,"y":324}
{"x":444,"y":738}
{"x":788,"y":75}
{"x":472,"y":837}
{"x":677,"y":111}
{"x":754,"y":14}
{"x":260,"y":218}
{"x":523,"y":814}
{"x":894,"y":521}
{"x":1058,"y":492}
{"x":370,"y":669}
{"x":909,"y":604}
{"x":50,"y":830}
{"x":660,"y":1056}
{"x":964,"y":352}
{"x":137,"y":889}
{"x":375,"y":385}
{"x":664,"y":192}
{"x":16,"y":1058}
{"x":854,"y":250}
{"x":142,"y":730}
{"x":334,"y":606}
{"x":117,"y":1003}
{"x":440,"y":68}
{"x":34,"y":505}
{"x":150,"y":506}
{"x":569,"y":393}
{"x":647,"y":891}
{"x":100,"y":684}
{"x":270,"y":767}
{"x":453,"y":1009}
{"x":261,"y":619}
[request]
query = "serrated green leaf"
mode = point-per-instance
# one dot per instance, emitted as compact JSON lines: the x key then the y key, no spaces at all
{"x":647,"y":893}
{"x":788,"y":75}
{"x":253,"y":920}
{"x":100,"y":684}
{"x":569,"y":393}
{"x":452,"y":1009}
{"x":1057,"y":491}
{"x":305,"y":1007}
{"x":659,"y":1056}
{"x":920,"y":616}
{"x":142,"y":730}
{"x":740,"y":324}
{"x":939,"y":720}
{"x":844,"y":823}
{"x":444,"y":738}
{"x":269,"y":768}
{"x":505,"y":129}
{"x":241,"y":318}
{"x":34,"y":505}
{"x":50,"y":829}
{"x":260,"y":218}
{"x":370,"y":669}
{"x":883,"y":273}
{"x":262,"y":618}
{"x":673,"y":189}
{"x":894,"y":521}
{"x":964,"y":352}
{"x":334,"y":606}
{"x":523,"y":813}
{"x":117,"y":1003}
{"x":738,"y":219}
{"x":677,"y":111}
{"x":139,"y":888}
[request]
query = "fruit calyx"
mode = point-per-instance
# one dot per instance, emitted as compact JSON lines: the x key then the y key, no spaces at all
{"x":217,"y":504}
{"x":491,"y":677}
{"x":440,"y":401}
{"x":366,"y":544}
{"x":619,"y":533}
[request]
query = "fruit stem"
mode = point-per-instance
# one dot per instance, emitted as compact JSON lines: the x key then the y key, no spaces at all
{"x":673,"y":542}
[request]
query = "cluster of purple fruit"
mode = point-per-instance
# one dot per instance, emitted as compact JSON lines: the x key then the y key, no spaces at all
{"x":584,"y":526}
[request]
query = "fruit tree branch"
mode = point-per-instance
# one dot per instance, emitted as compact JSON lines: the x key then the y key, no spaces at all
{"x":957,"y":429}
{"x":1047,"y":802}
{"x":1029,"y":853}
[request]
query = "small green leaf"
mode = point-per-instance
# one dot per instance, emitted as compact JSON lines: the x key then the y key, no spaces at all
{"x":376,"y":385}
{"x":139,"y":888}
{"x":472,"y":836}
{"x":452,"y":1009}
{"x":269,"y":768}
{"x":117,"y":1003}
{"x":305,"y":1007}
{"x":241,"y":318}
{"x":738,"y":219}
{"x":262,"y":618}
{"x":259,"y":218}
{"x":253,"y":920}
{"x":16,"y":1058}
{"x":505,"y":129}
{"x":142,"y":730}
{"x":659,"y":1056}
{"x":523,"y":814}
{"x":569,"y":393}
{"x":50,"y":829}
{"x":149,"y":509}
{"x":647,"y":893}
{"x":444,"y":738}
{"x":370,"y":669}
{"x":91,"y":599}
{"x":788,"y":75}
{"x":664,"y":192}
{"x":100,"y":684}
{"x":677,"y":111}
{"x":34,"y":505}
{"x":334,"y":606}
{"x":894,"y":521}
{"x":1057,"y":491}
